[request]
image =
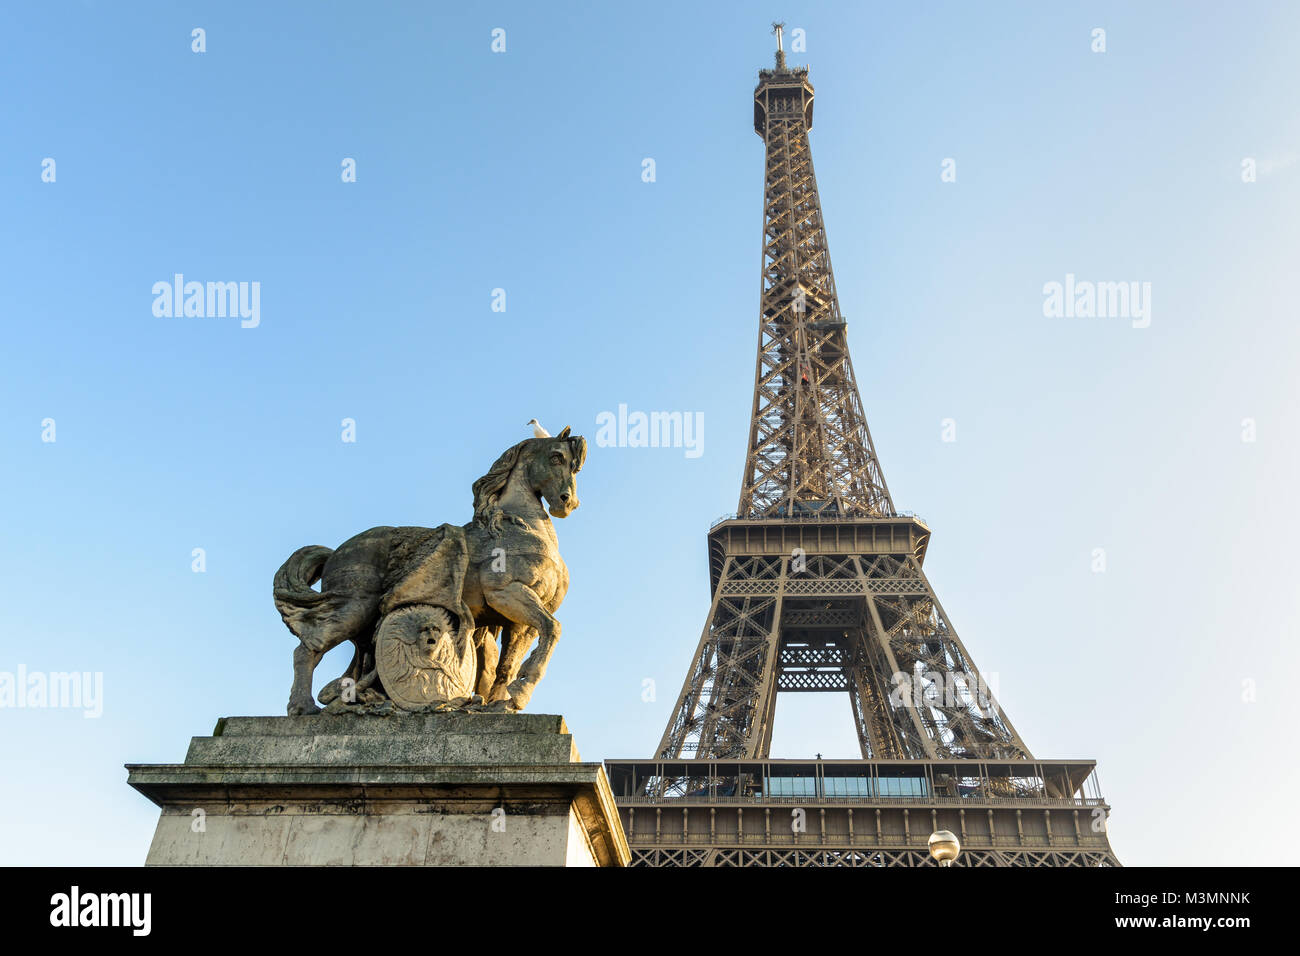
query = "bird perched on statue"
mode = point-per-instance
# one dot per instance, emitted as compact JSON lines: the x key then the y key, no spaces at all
{"x":538,"y":430}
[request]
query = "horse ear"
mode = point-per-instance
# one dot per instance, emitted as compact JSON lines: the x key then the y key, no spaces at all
{"x":565,"y":433}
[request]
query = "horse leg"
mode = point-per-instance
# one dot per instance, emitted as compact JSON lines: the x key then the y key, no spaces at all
{"x":486,"y":640}
{"x":344,"y":618}
{"x":514,"y":645}
{"x":519,"y":603}
{"x":304,"y":665}
{"x":534,"y":669}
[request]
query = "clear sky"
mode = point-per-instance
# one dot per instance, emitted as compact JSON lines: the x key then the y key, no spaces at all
{"x":522,"y":171}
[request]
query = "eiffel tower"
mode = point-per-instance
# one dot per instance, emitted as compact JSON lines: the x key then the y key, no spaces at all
{"x":817,"y":586}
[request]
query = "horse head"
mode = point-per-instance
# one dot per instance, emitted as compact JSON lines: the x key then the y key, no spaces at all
{"x":548,"y":466}
{"x":553,"y":465}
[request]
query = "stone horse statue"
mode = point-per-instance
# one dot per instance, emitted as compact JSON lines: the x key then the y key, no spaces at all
{"x":424,"y":606}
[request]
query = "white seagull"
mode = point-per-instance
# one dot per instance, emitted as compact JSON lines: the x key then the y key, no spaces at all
{"x":538,"y":430}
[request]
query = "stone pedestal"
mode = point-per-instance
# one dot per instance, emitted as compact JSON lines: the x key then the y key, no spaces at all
{"x":450,"y":789}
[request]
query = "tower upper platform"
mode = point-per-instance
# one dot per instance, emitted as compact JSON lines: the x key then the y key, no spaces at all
{"x":782,"y":93}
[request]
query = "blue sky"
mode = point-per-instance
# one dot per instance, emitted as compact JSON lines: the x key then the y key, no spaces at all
{"x":522,"y":171}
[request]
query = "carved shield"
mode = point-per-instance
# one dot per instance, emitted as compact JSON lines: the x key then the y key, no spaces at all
{"x":422,"y":659}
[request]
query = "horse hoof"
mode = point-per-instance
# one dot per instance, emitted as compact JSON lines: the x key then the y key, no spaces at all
{"x":303,"y":710}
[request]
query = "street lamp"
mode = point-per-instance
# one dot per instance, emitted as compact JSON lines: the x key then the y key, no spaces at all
{"x":944,"y":846}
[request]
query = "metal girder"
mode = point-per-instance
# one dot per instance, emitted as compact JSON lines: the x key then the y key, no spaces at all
{"x":913,"y":689}
{"x":1005,"y":812}
{"x":868,"y":625}
{"x":815,"y":856}
{"x":818,"y":587}
{"x":809,"y":446}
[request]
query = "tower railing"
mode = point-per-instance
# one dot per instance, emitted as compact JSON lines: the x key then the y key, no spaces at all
{"x":824,"y":518}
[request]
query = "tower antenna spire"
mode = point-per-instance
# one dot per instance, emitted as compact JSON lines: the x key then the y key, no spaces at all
{"x":777,"y":28}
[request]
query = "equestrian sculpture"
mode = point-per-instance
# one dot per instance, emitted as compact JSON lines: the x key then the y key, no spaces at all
{"x":424,"y":606}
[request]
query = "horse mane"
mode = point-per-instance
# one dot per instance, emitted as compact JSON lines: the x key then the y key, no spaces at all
{"x":488,"y":489}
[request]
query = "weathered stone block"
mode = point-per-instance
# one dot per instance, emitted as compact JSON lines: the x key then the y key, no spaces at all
{"x":450,"y":789}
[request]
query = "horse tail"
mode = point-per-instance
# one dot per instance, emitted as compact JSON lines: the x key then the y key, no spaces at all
{"x":294,"y":597}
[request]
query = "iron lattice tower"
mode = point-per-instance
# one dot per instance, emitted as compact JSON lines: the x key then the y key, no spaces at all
{"x":817,"y":582}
